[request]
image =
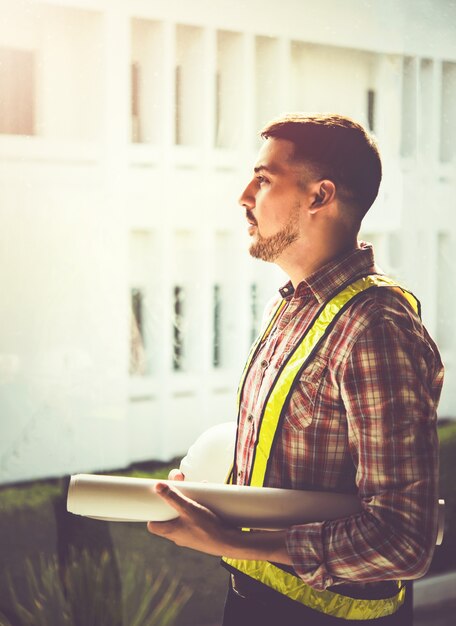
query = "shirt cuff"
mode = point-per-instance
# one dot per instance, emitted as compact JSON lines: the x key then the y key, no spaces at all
{"x":306,"y":549}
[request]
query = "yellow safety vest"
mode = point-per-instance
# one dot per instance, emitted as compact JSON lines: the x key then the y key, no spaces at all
{"x":271,"y":575}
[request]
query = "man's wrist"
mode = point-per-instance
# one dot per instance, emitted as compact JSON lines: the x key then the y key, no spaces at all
{"x":258,"y":545}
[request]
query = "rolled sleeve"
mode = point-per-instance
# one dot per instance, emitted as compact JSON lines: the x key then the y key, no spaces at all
{"x":305,"y":545}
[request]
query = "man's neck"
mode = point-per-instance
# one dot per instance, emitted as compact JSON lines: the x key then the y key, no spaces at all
{"x":299,"y":267}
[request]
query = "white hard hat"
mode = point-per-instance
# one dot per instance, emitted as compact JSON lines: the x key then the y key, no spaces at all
{"x":211,"y":456}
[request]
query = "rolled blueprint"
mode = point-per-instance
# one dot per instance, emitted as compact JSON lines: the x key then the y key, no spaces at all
{"x":114,"y":498}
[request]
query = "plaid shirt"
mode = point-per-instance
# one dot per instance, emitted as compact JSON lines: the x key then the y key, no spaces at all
{"x":362,"y":419}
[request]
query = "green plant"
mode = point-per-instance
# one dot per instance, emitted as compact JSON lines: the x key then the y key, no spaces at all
{"x":85,"y":593}
{"x":28,"y":496}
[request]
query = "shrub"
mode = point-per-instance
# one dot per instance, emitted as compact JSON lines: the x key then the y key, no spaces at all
{"x":85,"y":593}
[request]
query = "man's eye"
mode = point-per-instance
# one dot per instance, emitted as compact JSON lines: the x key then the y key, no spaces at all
{"x":261,"y":180}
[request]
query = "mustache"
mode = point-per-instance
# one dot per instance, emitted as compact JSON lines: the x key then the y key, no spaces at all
{"x":250,"y":218}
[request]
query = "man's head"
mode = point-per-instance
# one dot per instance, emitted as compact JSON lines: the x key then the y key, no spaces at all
{"x":315,"y":178}
{"x":337,"y":148}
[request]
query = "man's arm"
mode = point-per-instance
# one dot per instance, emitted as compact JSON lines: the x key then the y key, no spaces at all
{"x":201,"y":529}
{"x":390,"y":385}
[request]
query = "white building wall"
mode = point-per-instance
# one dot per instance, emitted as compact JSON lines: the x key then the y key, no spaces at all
{"x":113,"y":200}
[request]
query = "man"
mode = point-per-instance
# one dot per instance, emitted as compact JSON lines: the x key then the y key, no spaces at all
{"x":339,"y":394}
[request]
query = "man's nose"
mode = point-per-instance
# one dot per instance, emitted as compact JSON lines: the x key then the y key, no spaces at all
{"x":247,"y":197}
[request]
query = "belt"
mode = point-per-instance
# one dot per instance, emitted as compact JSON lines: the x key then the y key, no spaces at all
{"x":247,"y":587}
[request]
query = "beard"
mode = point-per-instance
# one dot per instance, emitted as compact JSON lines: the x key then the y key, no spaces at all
{"x":270,"y":248}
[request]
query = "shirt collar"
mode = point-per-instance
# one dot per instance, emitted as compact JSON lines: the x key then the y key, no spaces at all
{"x":323,"y":283}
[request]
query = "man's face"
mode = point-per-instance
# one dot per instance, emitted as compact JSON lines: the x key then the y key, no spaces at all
{"x":272,"y":200}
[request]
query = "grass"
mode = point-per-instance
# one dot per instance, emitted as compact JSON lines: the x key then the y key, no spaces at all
{"x":447,"y":433}
{"x":34,"y":495}
{"x":31,"y":496}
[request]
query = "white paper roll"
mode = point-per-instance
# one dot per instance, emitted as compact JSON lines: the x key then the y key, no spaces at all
{"x":114,"y":498}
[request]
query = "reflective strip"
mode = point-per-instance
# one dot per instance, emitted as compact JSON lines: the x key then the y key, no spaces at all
{"x":261,"y":337}
{"x":293,"y":587}
{"x":326,"y":602}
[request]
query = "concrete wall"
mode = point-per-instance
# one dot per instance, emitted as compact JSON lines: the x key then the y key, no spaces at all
{"x":104,"y":202}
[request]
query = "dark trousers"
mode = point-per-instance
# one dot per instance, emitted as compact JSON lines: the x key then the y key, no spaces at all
{"x":276,"y":610}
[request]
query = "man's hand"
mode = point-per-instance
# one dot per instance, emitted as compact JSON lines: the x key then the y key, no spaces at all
{"x":199,"y":528}
{"x":196,"y":527}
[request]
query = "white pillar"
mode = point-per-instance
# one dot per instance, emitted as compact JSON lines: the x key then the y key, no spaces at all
{"x":284,"y":66}
{"x":169,"y":88}
{"x":248,"y":94}
{"x":208,"y":95}
{"x":388,"y":82}
{"x":115,"y":137}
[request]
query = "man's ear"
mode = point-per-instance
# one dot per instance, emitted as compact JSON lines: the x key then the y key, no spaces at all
{"x":323,"y":194}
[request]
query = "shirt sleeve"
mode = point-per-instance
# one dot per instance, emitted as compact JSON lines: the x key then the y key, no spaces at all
{"x":389,"y":384}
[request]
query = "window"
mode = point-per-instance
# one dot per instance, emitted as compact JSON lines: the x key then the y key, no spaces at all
{"x":178,"y":104}
{"x":395,"y":252}
{"x":217,"y":335}
{"x":445,"y":307}
{"x":371,"y":109}
{"x":147,"y":80}
{"x":17,"y":89}
{"x":228,"y":84}
{"x":409,"y":106}
{"x":135,"y":96}
{"x":267,"y":77}
{"x":426,"y":108}
{"x":178,"y":328}
{"x":448,"y":124}
{"x":142,"y":288}
{"x":218,"y":108}
{"x":189,"y":85}
{"x":138,"y":361}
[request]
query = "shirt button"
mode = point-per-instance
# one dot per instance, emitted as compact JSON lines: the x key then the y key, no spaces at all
{"x":264,"y":364}
{"x":240,"y":474}
{"x":250,"y":417}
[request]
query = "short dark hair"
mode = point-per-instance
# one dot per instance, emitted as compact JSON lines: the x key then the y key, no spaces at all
{"x":335,"y":147}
